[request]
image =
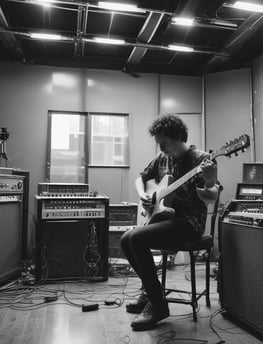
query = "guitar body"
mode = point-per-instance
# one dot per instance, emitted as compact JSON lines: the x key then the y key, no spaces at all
{"x":160,"y":209}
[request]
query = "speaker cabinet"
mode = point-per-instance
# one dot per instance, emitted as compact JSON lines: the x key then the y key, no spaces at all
{"x":241,"y":274}
{"x":10,"y":240}
{"x":115,"y":250}
{"x":26,"y":176}
{"x":76,"y":249}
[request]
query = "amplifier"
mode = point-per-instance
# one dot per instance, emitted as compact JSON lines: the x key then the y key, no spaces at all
{"x":48,"y":208}
{"x":249,"y":191}
{"x":11,"y":231}
{"x":72,"y":235}
{"x":244,"y":212}
{"x":63,"y":189}
{"x":10,"y":184}
{"x":122,"y":217}
{"x":240,"y":280}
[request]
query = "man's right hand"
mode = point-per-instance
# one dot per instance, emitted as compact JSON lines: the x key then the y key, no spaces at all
{"x":146,"y":200}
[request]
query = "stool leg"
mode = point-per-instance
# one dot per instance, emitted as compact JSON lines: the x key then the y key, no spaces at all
{"x":164,"y":267}
{"x":207,"y":295}
{"x":193,"y":284}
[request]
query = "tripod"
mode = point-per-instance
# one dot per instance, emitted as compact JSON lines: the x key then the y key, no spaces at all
{"x":3,"y":155}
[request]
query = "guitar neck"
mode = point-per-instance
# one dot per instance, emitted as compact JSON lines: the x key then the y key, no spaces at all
{"x":179,"y":182}
{"x":185,"y":178}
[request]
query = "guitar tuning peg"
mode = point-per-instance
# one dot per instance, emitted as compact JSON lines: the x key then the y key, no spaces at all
{"x":236,"y":154}
{"x":229,"y":156}
{"x":243,"y":150}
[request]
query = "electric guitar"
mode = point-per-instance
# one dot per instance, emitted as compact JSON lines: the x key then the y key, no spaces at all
{"x":162,"y":191}
{"x":92,"y":256}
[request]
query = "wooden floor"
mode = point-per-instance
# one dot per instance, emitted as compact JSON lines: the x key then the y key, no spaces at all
{"x":26,"y":319}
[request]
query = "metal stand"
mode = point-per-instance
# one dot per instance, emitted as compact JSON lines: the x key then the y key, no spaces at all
{"x":3,"y":155}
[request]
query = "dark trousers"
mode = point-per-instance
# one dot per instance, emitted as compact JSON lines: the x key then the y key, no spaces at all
{"x":138,"y":242}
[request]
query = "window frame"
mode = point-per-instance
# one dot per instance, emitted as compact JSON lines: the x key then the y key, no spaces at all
{"x":87,"y":140}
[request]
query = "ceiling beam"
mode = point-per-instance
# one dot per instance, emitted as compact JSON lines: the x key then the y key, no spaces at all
{"x":245,"y":31}
{"x":8,"y":39}
{"x":150,"y":27}
{"x":81,"y":30}
{"x":188,"y":8}
{"x":145,"y":35}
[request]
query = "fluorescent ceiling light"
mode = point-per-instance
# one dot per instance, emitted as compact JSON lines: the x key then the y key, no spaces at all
{"x":183,"y":21}
{"x":180,"y":48}
{"x":46,"y":3}
{"x":223,"y":23}
{"x":109,"y":40}
{"x":47,"y":36}
{"x":117,"y":6}
{"x":248,"y":6}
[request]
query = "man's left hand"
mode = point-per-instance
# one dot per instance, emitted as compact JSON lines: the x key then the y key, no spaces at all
{"x":209,"y":170}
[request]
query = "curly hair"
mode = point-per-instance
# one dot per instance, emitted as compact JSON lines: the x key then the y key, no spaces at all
{"x":171,"y":126}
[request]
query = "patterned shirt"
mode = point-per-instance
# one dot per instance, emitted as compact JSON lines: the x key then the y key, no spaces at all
{"x":185,"y":200}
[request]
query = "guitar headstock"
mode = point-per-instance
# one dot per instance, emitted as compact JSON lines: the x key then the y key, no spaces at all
{"x":233,"y":147}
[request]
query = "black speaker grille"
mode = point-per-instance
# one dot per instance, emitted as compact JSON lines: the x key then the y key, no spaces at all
{"x":72,"y":250}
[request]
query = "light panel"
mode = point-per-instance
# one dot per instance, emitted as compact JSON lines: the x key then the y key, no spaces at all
{"x":224,"y":23}
{"x":108,"y":41}
{"x":248,"y":6}
{"x":118,"y":6}
{"x":180,"y":48}
{"x":46,"y":36}
{"x":183,"y":21}
{"x":45,"y":3}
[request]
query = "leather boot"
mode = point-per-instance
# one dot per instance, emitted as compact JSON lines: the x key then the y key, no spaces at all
{"x":139,"y":305}
{"x":151,"y":315}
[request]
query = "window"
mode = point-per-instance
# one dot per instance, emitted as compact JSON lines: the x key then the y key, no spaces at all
{"x":109,"y":140}
{"x":70,"y":135}
{"x":66,"y":156}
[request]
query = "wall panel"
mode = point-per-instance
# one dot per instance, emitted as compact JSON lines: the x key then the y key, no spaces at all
{"x":258,"y":106}
{"x":227,"y":117}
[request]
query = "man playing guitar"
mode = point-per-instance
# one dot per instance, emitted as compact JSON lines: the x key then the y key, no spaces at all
{"x":187,"y":218}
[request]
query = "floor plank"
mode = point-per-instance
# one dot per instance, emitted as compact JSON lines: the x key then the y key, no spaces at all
{"x":26,"y":319}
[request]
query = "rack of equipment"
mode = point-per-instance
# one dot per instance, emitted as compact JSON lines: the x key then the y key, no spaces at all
{"x":71,"y":233}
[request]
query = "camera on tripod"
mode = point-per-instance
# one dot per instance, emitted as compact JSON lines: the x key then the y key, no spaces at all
{"x":4,"y":134}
